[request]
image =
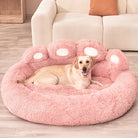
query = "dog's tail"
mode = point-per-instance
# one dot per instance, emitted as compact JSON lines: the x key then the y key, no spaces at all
{"x":27,"y":81}
{"x":20,"y":81}
{"x":24,"y":82}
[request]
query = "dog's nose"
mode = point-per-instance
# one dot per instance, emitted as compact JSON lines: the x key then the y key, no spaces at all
{"x":84,"y":69}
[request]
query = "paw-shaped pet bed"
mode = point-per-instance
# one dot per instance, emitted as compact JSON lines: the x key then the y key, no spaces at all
{"x":65,"y":105}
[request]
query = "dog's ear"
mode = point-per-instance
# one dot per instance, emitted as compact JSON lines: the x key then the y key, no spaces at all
{"x":75,"y":63}
{"x":92,"y":61}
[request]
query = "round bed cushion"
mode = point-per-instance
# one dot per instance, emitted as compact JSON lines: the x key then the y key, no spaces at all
{"x":65,"y":105}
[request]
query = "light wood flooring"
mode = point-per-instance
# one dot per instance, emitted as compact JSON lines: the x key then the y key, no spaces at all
{"x":14,"y":40}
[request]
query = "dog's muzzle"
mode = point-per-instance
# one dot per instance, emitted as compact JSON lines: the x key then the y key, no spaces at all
{"x":84,"y":71}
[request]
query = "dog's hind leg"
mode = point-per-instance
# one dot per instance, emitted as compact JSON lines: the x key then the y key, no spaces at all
{"x":46,"y":79}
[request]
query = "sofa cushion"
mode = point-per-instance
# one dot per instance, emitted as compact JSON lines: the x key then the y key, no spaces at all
{"x":121,"y":31}
{"x":83,"y":6}
{"x":122,"y":6}
{"x":132,"y":6}
{"x":104,"y":7}
{"x":76,"y":26}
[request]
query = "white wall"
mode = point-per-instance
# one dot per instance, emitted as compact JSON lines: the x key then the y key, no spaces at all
{"x":31,"y":6}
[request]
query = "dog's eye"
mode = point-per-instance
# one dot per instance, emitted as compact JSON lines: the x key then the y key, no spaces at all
{"x":80,"y":62}
{"x":87,"y":61}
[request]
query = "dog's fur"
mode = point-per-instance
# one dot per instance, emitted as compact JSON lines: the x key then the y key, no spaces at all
{"x":77,"y":75}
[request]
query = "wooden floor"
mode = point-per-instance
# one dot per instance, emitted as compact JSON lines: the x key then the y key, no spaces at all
{"x":14,"y":40}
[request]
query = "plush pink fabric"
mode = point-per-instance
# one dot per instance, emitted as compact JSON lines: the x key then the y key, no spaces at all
{"x":28,"y":55}
{"x":64,"y":105}
{"x":82,"y":44}
{"x":70,"y":45}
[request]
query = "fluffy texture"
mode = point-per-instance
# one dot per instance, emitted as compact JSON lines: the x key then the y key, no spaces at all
{"x":101,"y":50}
{"x":64,"y":105}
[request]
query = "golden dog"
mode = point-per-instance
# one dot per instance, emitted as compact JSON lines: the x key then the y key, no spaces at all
{"x":77,"y":75}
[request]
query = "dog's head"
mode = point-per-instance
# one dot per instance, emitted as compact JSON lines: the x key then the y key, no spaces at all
{"x":84,"y":65}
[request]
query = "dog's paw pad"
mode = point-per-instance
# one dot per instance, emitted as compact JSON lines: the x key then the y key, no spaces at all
{"x":38,"y":55}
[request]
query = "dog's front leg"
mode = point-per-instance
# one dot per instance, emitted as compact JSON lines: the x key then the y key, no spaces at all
{"x":96,"y":82}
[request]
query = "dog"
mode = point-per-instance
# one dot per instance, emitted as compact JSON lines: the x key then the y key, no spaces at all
{"x":77,"y":75}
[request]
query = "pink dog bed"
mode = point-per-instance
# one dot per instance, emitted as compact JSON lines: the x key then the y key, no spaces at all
{"x":65,"y":105}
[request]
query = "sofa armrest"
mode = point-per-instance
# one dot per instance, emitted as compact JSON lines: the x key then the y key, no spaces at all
{"x":42,"y":22}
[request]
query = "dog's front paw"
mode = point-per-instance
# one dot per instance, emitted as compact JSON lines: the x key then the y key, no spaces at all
{"x":96,"y":82}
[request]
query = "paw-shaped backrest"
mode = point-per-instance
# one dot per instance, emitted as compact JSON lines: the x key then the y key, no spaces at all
{"x":63,"y":52}
{"x":108,"y":64}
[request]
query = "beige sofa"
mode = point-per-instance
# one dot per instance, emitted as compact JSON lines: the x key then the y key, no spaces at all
{"x":69,"y":19}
